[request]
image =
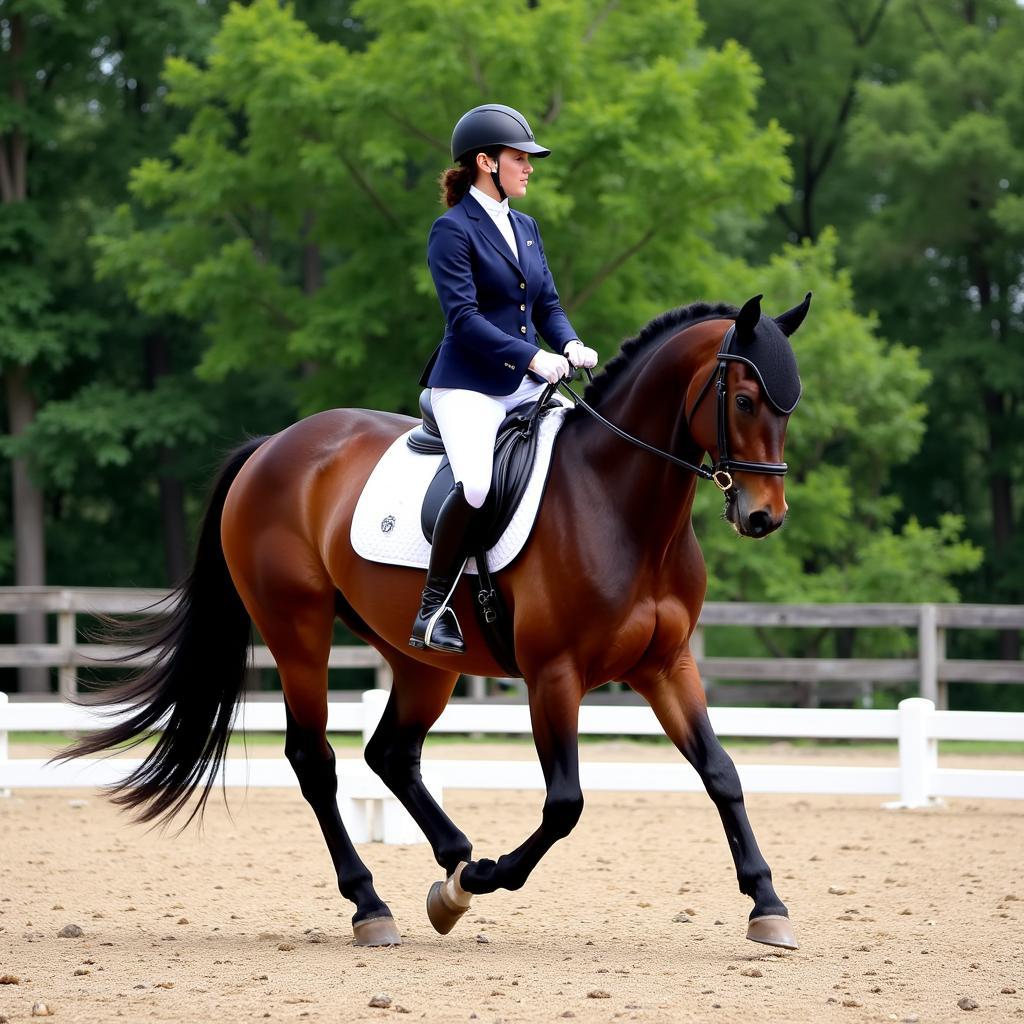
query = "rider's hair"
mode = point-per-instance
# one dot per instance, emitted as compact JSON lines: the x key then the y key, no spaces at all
{"x":456,"y":180}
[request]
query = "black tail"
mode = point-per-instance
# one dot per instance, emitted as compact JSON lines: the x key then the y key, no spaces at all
{"x":188,"y":694}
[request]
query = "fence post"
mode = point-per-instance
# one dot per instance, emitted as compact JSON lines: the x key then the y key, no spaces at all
{"x":374,"y":702}
{"x":928,"y":653}
{"x":67,"y":674}
{"x":918,"y":753}
{"x":3,"y":739}
{"x":382,"y":676}
{"x":942,"y":686}
{"x":697,"y":651}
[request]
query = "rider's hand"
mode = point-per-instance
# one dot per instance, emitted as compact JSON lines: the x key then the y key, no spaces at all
{"x":579,"y":355}
{"x":549,"y":366}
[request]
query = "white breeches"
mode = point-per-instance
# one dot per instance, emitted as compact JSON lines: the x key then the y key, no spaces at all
{"x":469,"y":423}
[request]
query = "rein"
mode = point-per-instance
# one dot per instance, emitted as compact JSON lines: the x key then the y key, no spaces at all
{"x":720,"y":474}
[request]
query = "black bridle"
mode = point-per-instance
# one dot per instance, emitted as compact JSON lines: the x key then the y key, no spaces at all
{"x":720,"y":474}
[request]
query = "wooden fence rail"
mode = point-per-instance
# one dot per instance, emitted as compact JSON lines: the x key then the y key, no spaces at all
{"x":930,"y":668}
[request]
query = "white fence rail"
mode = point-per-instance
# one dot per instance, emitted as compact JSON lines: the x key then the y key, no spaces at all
{"x":916,"y":727}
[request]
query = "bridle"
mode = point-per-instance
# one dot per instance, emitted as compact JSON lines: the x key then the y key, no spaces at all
{"x":720,"y":474}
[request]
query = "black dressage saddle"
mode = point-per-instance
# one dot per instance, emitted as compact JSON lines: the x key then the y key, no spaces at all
{"x":515,"y":452}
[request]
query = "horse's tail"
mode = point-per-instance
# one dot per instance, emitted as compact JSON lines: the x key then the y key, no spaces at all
{"x":189,"y":692}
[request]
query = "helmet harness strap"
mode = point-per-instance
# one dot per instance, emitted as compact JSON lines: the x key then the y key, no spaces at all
{"x":496,"y":178}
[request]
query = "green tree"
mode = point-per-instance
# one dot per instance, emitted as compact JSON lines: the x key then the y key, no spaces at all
{"x":942,"y":260}
{"x":291,"y":218}
{"x":80,"y":102}
{"x":814,"y":58}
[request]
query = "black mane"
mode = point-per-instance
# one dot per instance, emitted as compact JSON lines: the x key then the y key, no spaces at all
{"x":650,"y":337}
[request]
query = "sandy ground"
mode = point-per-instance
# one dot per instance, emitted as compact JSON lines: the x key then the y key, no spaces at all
{"x":213,"y":927}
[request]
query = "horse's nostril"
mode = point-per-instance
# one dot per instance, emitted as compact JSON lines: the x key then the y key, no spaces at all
{"x":759,"y":523}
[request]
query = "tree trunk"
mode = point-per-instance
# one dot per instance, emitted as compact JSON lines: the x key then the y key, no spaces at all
{"x":29,"y":529}
{"x":172,"y":493}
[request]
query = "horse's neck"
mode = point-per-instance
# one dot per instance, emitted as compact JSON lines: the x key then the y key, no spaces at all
{"x":650,"y":496}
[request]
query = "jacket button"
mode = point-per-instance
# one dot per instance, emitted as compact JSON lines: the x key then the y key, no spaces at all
{"x":522,"y":285}
{"x":522,"y":330}
{"x":523,"y":307}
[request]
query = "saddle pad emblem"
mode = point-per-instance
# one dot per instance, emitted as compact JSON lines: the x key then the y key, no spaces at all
{"x":386,"y":523}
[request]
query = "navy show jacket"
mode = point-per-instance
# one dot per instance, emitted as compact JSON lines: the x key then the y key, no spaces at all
{"x":494,"y":306}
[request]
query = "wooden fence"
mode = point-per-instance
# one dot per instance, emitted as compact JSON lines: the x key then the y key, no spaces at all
{"x":930,"y":669}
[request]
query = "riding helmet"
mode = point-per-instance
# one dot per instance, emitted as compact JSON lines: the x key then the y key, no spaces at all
{"x":493,"y":124}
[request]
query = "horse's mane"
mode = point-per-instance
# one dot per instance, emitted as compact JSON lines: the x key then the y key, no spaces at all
{"x":658,"y":330}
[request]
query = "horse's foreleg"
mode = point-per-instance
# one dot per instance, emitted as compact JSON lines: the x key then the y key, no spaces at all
{"x":554,"y":712}
{"x":418,"y":696}
{"x":678,"y":701}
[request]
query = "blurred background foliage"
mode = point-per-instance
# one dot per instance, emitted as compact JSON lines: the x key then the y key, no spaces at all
{"x":214,"y":216}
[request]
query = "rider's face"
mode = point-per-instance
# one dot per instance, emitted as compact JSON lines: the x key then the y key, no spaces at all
{"x":514,"y":170}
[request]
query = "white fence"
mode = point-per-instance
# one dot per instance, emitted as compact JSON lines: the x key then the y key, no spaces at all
{"x":916,"y":727}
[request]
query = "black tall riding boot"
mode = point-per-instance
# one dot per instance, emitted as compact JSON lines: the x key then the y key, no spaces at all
{"x":436,"y":626}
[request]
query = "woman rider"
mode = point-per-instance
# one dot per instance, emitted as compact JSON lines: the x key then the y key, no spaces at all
{"x":497,"y":294}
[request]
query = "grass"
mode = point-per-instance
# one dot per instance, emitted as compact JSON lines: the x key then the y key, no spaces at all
{"x":354,"y":740}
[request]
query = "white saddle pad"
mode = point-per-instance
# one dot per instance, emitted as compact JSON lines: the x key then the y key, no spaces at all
{"x":386,"y":525}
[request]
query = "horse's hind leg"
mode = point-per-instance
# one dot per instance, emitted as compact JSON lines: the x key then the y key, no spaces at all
{"x":299,"y":635}
{"x":419,"y":694}
{"x":678,"y":702}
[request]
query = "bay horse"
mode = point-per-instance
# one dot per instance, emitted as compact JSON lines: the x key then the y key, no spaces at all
{"x":608,"y":587}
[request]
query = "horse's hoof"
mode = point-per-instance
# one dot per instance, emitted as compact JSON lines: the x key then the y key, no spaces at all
{"x":447,"y":901}
{"x":377,"y":931}
{"x":772,"y":930}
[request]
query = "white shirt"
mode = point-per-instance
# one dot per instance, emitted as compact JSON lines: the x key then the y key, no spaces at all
{"x":498,"y":212}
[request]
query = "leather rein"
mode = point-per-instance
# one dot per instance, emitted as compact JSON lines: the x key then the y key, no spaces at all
{"x":720,"y":474}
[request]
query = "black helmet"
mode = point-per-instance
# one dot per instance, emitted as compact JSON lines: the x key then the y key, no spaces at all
{"x":493,"y":124}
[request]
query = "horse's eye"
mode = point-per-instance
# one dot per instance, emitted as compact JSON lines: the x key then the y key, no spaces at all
{"x":744,"y":403}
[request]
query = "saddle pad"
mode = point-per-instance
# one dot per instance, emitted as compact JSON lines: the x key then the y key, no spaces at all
{"x":386,"y":524}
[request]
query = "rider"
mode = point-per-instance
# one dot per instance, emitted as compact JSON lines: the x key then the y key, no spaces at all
{"x":497,"y":293}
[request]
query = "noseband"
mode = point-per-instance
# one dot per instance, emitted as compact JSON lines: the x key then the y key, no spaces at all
{"x":720,"y":474}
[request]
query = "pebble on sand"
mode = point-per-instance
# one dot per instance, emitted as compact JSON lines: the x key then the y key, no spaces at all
{"x":966,"y":1003}
{"x":381,"y":1000}
{"x":9,"y":979}
{"x":41,"y":1010}
{"x":315,"y":935}
{"x":482,"y":937}
{"x":70,"y":931}
{"x":751,"y":972}
{"x":285,"y":947}
{"x":1006,"y":990}
{"x":598,"y":993}
{"x":837,"y":890}
{"x":681,"y":918}
{"x":851,"y":1002}
{"x":81,"y":972}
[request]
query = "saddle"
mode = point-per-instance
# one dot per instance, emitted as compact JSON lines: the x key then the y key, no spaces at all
{"x":515,"y":451}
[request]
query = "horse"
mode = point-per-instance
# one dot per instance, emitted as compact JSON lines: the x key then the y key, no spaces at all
{"x":608,"y":587}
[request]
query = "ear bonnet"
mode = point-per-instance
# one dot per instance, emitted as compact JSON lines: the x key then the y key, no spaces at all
{"x":763,"y":344}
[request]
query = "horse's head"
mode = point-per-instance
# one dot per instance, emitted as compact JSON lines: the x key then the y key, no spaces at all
{"x":741,"y":411}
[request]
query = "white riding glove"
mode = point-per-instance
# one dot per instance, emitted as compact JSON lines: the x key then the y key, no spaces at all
{"x":579,"y":355}
{"x":549,"y":366}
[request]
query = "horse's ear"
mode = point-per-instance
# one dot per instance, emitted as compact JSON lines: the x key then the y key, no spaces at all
{"x":747,"y":318}
{"x":790,"y":320}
